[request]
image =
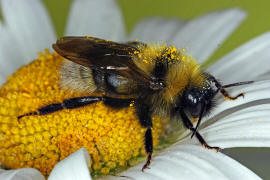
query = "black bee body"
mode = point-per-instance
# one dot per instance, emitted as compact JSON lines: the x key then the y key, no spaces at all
{"x":157,"y":79}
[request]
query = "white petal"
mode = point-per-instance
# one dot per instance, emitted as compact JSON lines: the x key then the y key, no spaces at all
{"x":21,"y":174}
{"x":248,"y":127}
{"x":204,"y":34}
{"x":156,"y":29}
{"x":11,"y":56}
{"x":190,"y":162}
{"x":264,"y":76}
{"x":255,"y":92}
{"x":74,"y":167}
{"x":100,"y":18}
{"x":29,"y":24}
{"x":246,"y":62}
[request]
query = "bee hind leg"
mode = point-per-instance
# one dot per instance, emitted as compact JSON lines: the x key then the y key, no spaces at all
{"x":77,"y":102}
{"x":187,"y":123}
{"x":66,"y":104}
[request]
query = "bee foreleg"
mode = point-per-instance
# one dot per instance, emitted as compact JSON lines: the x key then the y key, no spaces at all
{"x":187,"y":123}
{"x":146,"y":121}
{"x":223,"y":91}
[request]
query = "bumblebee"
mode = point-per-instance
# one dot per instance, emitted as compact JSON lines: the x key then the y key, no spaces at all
{"x":155,"y":79}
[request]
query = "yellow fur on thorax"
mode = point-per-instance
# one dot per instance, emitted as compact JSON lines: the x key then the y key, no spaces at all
{"x":180,"y":75}
{"x":145,"y":57}
{"x":183,"y":70}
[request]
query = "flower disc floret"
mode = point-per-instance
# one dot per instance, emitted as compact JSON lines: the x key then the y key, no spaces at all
{"x":112,"y":137}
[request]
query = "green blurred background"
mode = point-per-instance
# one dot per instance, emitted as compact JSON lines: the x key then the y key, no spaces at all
{"x":256,"y":23}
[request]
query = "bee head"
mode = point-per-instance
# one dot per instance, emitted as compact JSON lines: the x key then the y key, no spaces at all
{"x":197,"y":101}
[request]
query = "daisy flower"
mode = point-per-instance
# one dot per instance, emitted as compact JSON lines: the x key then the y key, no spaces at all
{"x":27,"y":30}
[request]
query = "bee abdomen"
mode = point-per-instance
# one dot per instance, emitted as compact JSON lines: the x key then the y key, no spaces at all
{"x":77,"y":77}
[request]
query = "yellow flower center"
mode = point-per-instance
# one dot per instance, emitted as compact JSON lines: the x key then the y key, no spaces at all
{"x":112,"y":137}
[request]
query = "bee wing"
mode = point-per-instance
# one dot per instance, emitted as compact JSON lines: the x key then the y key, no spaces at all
{"x":102,"y":55}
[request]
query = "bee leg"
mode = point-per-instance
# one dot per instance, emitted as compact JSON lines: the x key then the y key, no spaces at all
{"x":224,"y":92}
{"x":66,"y":104}
{"x":148,"y":145}
{"x":146,"y":121}
{"x":79,"y":102}
{"x":117,"y":103}
{"x":189,"y":125}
